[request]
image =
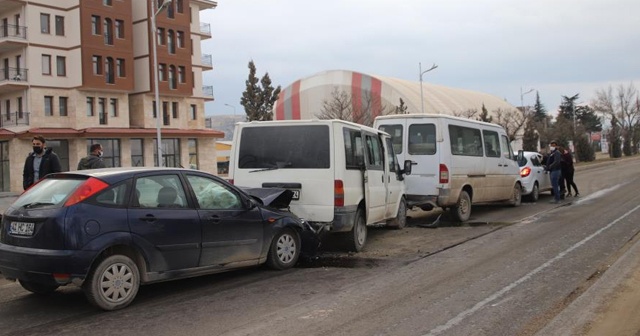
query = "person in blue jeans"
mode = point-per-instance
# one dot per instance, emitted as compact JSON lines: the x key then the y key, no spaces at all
{"x":554,"y":167}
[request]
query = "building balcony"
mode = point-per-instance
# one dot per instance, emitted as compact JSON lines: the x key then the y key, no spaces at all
{"x":205,"y":4}
{"x":206,"y":61}
{"x":9,"y":119}
{"x":13,"y":79}
{"x":207,"y":92}
{"x":12,"y":37}
{"x":205,"y":31}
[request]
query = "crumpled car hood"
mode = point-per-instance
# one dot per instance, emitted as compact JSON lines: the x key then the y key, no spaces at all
{"x":272,"y":197}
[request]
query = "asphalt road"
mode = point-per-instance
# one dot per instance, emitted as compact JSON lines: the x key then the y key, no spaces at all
{"x":536,"y":269}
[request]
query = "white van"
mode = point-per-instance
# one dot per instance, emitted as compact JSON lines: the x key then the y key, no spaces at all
{"x":456,"y":162}
{"x":344,"y":175}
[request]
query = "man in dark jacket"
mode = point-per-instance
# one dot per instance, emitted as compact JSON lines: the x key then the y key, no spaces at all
{"x":93,"y":160}
{"x":554,"y":166}
{"x":39,"y":163}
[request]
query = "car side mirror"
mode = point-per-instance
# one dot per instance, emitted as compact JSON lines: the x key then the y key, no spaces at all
{"x":407,"y":167}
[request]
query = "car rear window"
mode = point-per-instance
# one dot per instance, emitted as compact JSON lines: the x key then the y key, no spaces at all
{"x":284,"y":147}
{"x":50,"y":192}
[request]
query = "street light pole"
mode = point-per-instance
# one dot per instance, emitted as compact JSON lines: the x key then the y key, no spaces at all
{"x":233,"y":107}
{"x":421,"y":93}
{"x":154,"y":31}
{"x":522,"y":98}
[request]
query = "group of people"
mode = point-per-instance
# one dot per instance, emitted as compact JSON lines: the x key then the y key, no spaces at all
{"x":560,"y":165}
{"x":43,"y":161}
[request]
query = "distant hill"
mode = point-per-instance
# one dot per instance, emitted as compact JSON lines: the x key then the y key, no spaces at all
{"x":224,"y":123}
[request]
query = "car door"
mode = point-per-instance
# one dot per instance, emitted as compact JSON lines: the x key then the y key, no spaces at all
{"x":510,"y":168}
{"x":542,"y":176}
{"x":163,"y":223}
{"x":375,"y":182}
{"x":395,"y":186}
{"x":231,"y":231}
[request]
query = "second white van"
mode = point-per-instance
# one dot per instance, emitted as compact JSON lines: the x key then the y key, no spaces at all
{"x":456,"y":162}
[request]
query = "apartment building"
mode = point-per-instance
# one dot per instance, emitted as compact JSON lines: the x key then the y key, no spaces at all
{"x":80,"y":72}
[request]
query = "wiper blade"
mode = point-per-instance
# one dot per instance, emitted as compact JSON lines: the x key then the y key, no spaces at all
{"x":264,"y":169}
{"x":36,"y":204}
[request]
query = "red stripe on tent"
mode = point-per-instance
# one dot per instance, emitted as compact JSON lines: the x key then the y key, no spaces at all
{"x":376,"y":96}
{"x":280,"y":106}
{"x":356,"y":95}
{"x":295,"y":101}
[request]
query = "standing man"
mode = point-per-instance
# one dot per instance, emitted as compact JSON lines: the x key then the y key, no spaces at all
{"x":39,"y":163}
{"x":94,"y":159}
{"x":554,"y":166}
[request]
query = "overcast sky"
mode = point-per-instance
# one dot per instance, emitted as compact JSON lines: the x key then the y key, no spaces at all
{"x":557,"y":47}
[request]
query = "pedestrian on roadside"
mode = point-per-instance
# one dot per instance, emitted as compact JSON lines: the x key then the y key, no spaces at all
{"x":561,"y":184}
{"x":554,"y":167}
{"x":94,"y":159}
{"x":567,"y":172}
{"x":39,"y":163}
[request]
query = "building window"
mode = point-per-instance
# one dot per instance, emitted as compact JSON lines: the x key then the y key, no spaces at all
{"x":174,"y":110}
{"x":162,"y":69}
{"x":44,"y":23}
{"x":90,"y":111}
{"x":180,"y":39}
{"x":102,"y":113}
{"x":120,"y":29}
{"x":62,"y":106}
{"x":108,"y":32}
{"x":110,"y":151}
{"x":95,"y":25}
{"x":97,"y":65}
{"x":165,"y":113}
{"x":171,"y":42}
{"x":61,"y":148}
{"x":160,"y":36}
{"x":113,"y":107}
{"x":106,"y":2}
{"x":172,"y":77}
{"x":171,"y":12}
{"x":170,"y":152}
{"x":19,"y":102}
{"x":109,"y":71}
{"x":179,"y":6}
{"x":120,"y":70}
{"x":48,"y":106}
{"x":61,"y":65}
{"x":155,"y":109}
{"x":181,"y":71}
{"x":46,"y":64}
{"x":59,"y":25}
{"x":137,"y":153}
{"x":193,"y":111}
{"x":193,"y":153}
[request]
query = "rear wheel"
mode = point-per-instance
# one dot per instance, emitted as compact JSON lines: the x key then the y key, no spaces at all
{"x":535,"y":193}
{"x":401,"y":217}
{"x":38,"y":288}
{"x":354,"y":240}
{"x":113,"y":283}
{"x":285,"y":250}
{"x":462,"y":210}
{"x":516,"y":197}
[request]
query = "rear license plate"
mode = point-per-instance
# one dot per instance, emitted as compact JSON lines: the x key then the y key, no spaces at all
{"x":21,"y":228}
{"x":296,"y":195}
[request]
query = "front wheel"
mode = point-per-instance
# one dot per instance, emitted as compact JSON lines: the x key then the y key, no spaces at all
{"x":285,"y":250}
{"x":462,"y":210}
{"x":113,"y":283}
{"x":516,"y":196}
{"x":38,"y":288}
{"x":355,"y":239}
{"x":401,"y":217}
{"x":535,"y":193}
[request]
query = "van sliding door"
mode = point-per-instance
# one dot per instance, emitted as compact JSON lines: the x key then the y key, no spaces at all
{"x":375,"y":182}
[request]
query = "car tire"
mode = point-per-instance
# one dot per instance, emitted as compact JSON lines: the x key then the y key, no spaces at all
{"x":462,"y":210}
{"x":400,"y":221}
{"x":516,"y":196}
{"x":285,"y":250}
{"x":354,"y":240}
{"x":113,"y":283}
{"x":535,"y":193}
{"x":38,"y":288}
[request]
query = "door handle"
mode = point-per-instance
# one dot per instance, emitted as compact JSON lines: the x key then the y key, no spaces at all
{"x":382,"y":178}
{"x":215,"y":219}
{"x":148,"y":218}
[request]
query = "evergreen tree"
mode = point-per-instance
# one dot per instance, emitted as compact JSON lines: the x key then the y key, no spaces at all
{"x":584,"y":150}
{"x":258,"y":100}
{"x":615,"y":141}
{"x":530,"y":138}
{"x":568,"y":106}
{"x":539,"y":111}
{"x":402,"y":108}
{"x":484,"y":115}
{"x":588,"y":118}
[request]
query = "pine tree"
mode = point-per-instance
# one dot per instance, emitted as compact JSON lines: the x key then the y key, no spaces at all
{"x":402,"y":108}
{"x":530,"y":138}
{"x":258,"y":100}
{"x":615,"y":141}
{"x":539,"y":111}
{"x":484,"y":115}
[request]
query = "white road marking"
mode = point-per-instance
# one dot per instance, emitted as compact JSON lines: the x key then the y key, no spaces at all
{"x":460,"y":317}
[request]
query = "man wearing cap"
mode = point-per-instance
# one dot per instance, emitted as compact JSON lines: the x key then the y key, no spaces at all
{"x":554,"y":167}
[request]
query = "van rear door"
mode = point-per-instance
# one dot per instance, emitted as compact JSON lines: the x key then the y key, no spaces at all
{"x":375,"y":182}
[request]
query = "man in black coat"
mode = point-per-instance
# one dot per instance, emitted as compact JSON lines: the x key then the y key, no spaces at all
{"x":39,"y":163}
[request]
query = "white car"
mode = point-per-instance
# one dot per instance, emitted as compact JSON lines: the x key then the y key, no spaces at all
{"x":533,"y":176}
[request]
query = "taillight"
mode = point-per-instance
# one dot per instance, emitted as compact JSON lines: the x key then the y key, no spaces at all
{"x":86,"y":190}
{"x":524,"y":172}
{"x":338,"y":192}
{"x":444,"y":173}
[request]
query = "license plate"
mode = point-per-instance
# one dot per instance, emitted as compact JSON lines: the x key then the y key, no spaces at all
{"x":296,"y":195}
{"x":21,"y":228}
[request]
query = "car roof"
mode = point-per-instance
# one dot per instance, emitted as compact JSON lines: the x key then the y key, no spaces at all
{"x":121,"y":173}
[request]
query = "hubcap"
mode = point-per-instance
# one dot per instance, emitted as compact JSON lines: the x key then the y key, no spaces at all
{"x":286,"y":248}
{"x":116,"y":282}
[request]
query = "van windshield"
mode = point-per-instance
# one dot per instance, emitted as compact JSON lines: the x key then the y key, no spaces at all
{"x":284,"y":147}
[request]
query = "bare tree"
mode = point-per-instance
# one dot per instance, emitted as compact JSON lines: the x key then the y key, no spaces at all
{"x":624,"y":106}
{"x":342,"y":105}
{"x":469,"y":113}
{"x":513,"y":121}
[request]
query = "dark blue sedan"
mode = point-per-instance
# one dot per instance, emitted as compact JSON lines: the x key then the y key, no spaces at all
{"x":110,"y":230}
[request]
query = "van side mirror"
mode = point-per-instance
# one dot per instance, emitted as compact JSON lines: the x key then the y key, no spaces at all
{"x":407,"y":167}
{"x":520,"y":156}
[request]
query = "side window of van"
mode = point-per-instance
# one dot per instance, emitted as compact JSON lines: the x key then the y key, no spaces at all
{"x":422,"y":139}
{"x":396,"y":136}
{"x":353,"y":149}
{"x":391,"y":156}
{"x":465,"y":141}
{"x":375,"y":158}
{"x":491,"y":143}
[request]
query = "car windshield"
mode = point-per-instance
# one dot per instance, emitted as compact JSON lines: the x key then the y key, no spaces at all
{"x":51,"y":192}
